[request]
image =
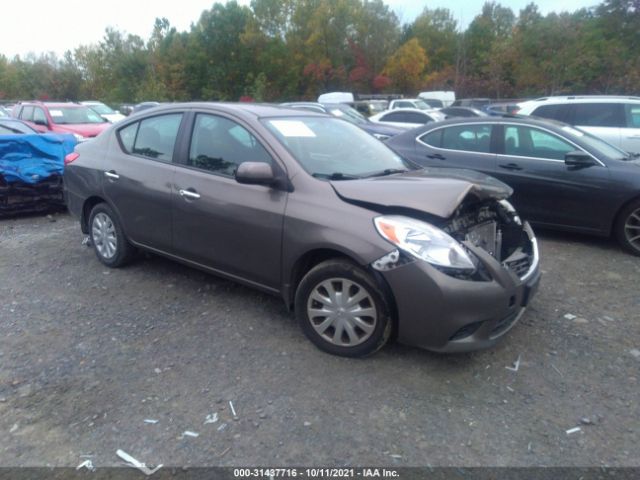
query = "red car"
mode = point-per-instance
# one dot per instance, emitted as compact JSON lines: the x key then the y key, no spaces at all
{"x":63,"y":117}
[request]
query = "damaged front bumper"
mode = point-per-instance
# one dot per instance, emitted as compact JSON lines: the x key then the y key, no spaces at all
{"x":440,"y":312}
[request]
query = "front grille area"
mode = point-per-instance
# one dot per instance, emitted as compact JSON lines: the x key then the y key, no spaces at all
{"x":466,"y":331}
{"x":519,"y":263}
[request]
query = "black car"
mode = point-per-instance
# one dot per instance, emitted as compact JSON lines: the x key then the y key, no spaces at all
{"x":462,"y":112}
{"x":351,"y":115}
{"x":562,"y":177}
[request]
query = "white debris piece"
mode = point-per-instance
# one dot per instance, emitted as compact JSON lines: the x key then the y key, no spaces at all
{"x":635,"y":352}
{"x":151,"y":421}
{"x":14,"y":428}
{"x":570,"y":316}
{"x":222,"y":427}
{"x":132,"y":462}
{"x":88,"y":464}
{"x":516,"y":365}
{"x":211,"y":418}
{"x":189,"y":433}
{"x":233,"y":410}
{"x":573,"y":430}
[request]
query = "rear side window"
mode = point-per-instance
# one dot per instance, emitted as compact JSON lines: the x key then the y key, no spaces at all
{"x":598,"y":115}
{"x":433,"y":138}
{"x":415,"y":117}
{"x":27,"y":114}
{"x":468,"y":138}
{"x":555,"y":112}
{"x":152,"y":137}
{"x":394,"y":117}
{"x":633,"y":115}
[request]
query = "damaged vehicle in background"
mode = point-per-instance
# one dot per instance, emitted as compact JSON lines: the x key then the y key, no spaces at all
{"x":362,"y":244}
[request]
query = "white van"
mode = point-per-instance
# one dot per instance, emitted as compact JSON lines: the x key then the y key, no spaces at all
{"x":447,"y":97}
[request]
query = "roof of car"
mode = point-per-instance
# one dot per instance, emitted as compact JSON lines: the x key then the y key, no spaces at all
{"x":257,"y":110}
{"x":415,"y":110}
{"x":505,"y":118}
{"x":579,"y":98}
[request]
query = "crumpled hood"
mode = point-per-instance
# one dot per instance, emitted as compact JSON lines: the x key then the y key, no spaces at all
{"x":437,"y":191}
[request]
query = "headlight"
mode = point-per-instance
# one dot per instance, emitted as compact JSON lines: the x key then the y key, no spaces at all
{"x":424,"y":241}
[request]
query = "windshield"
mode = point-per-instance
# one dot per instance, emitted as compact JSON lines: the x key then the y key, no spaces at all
{"x":102,"y":109}
{"x":329,"y":148}
{"x":74,"y":115}
{"x":597,"y":144}
{"x":349,"y":114}
{"x":422,"y":105}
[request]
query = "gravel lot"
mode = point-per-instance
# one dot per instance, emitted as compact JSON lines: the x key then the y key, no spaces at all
{"x":87,"y":354}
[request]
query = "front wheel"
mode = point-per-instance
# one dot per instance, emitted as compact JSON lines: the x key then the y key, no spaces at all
{"x":109,"y":243}
{"x":341,"y":309}
{"x":627,"y":228}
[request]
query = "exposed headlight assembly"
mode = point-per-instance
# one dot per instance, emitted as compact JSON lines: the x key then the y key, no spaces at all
{"x":424,"y":241}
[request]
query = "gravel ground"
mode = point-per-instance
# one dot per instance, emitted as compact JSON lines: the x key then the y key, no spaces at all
{"x":87,"y":354}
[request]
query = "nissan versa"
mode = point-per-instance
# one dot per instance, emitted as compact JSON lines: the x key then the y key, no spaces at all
{"x":359,"y":242}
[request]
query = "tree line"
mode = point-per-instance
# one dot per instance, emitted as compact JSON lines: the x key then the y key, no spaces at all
{"x":290,"y":49}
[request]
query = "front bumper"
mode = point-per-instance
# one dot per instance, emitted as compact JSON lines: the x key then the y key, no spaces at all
{"x":445,"y":314}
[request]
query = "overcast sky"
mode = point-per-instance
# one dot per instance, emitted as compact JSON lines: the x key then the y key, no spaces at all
{"x":44,"y":25}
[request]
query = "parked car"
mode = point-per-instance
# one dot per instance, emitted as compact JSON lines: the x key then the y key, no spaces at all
{"x":562,"y":177}
{"x":13,"y":126}
{"x":4,"y":112}
{"x":502,"y":108}
{"x":614,"y":119}
{"x":349,"y":114}
{"x":144,"y":106}
{"x":104,"y":111}
{"x":478,"y":103}
{"x":407,"y":117}
{"x":370,"y":107}
{"x":358,"y":241}
{"x":68,"y":117}
{"x":417,"y":103}
{"x":447,"y":97}
{"x":462,"y":112}
{"x":433,"y":102}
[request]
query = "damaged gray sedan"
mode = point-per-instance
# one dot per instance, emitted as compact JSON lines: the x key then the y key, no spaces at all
{"x":360,"y":243}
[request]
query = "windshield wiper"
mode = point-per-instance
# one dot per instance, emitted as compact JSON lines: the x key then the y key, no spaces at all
{"x":336,"y":176}
{"x":388,"y":171}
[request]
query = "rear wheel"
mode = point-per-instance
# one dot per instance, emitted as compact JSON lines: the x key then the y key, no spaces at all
{"x":627,"y":228}
{"x":107,"y":237}
{"x":341,"y":309}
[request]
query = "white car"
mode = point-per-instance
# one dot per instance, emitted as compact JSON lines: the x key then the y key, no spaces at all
{"x":418,"y":103}
{"x":615,"y":119}
{"x":408,"y":117}
{"x":106,"y":112}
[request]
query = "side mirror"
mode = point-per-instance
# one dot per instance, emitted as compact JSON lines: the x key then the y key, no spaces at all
{"x":255,"y":173}
{"x":579,"y":159}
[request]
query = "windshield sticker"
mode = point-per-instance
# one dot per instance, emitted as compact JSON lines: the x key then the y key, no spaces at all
{"x":337,"y":113}
{"x":56,"y":113}
{"x":573,"y":131}
{"x":292,"y":128}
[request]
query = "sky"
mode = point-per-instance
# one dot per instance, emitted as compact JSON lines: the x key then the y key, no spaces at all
{"x":41,"y":26}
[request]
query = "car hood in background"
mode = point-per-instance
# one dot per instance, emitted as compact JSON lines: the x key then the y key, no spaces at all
{"x":84,"y":129}
{"x":437,"y":191}
{"x":390,"y":130}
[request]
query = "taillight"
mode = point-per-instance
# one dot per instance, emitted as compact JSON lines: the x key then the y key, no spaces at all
{"x":71,"y":157}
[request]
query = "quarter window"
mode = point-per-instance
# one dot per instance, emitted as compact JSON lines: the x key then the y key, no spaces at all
{"x":433,"y":138}
{"x":633,"y":115}
{"x":468,"y":138}
{"x":128,"y":136}
{"x":531,"y":142}
{"x":156,"y":136}
{"x":219,"y":145}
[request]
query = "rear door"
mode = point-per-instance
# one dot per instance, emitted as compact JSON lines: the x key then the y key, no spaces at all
{"x":631,"y":134}
{"x":604,"y":120}
{"x":546,"y":190}
{"x":466,"y":145}
{"x":138,"y":173}
{"x":231,"y":227}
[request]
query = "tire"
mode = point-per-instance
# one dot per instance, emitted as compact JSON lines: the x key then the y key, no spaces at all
{"x":358,"y":325}
{"x":627,"y":228}
{"x":107,"y":237}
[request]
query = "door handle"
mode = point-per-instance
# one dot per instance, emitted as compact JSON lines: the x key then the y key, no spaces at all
{"x":112,"y":175}
{"x":511,"y":166}
{"x":192,"y":194}
{"x":436,"y":156}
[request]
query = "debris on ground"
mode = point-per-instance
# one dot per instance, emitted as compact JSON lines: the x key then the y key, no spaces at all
{"x":14,"y":428}
{"x":574,"y":430}
{"x":570,"y":316}
{"x":151,"y":421}
{"x":88,"y":464}
{"x":224,"y":452}
{"x":132,"y":462}
{"x":635,"y":352}
{"x":556,"y":369}
{"x":233,"y":410}
{"x":586,"y":421}
{"x":189,"y":433}
{"x":516,"y":365}
{"x":211,"y":418}
{"x":222,"y":427}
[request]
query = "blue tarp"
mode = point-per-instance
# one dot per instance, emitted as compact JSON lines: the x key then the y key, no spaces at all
{"x":32,"y":158}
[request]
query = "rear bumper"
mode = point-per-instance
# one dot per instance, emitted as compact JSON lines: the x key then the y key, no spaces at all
{"x":445,"y":314}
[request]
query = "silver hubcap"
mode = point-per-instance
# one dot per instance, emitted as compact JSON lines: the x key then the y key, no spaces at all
{"x":632,"y":229}
{"x":342,"y":312}
{"x":103,"y":234}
